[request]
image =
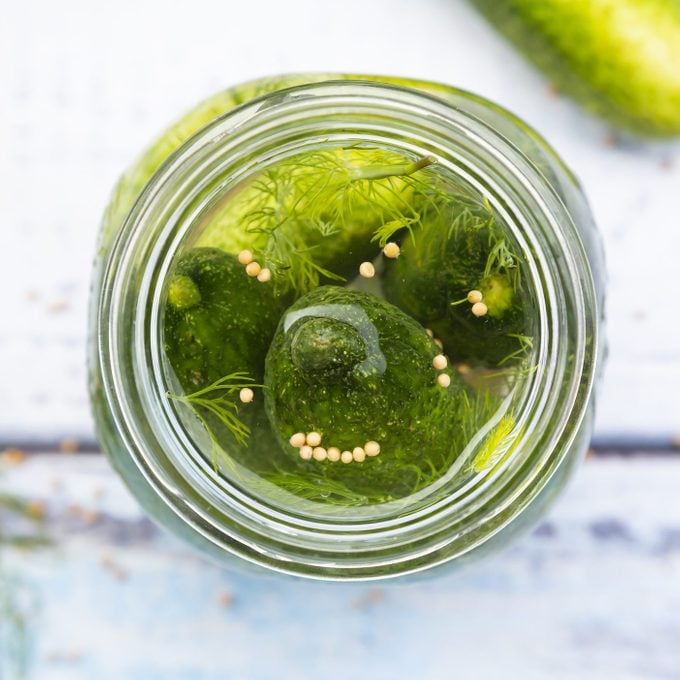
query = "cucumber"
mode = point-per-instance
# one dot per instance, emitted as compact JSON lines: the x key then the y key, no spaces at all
{"x":218,"y":320}
{"x":356,"y":369}
{"x":217,"y":328}
{"x":453,"y":254}
{"x":619,"y":58}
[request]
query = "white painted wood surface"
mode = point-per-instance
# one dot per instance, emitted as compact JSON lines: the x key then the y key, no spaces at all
{"x":592,"y":593}
{"x":85,"y":86}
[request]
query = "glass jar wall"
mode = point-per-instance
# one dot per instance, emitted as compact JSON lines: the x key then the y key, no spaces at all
{"x":346,"y":327}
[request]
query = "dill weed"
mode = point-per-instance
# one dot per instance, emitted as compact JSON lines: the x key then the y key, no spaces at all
{"x":370,"y":365}
{"x":316,"y":217}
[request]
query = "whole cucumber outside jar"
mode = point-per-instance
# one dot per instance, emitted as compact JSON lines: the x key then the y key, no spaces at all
{"x":346,"y":327}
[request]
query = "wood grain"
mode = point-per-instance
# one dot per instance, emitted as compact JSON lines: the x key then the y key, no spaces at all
{"x":593,"y":592}
{"x":96,"y":85}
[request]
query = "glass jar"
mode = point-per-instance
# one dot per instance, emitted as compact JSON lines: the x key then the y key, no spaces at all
{"x":155,"y":209}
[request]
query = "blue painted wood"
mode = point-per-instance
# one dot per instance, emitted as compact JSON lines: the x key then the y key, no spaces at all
{"x":593,"y":593}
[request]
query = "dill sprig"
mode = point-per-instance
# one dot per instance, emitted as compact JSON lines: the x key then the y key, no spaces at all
{"x":218,"y":399}
{"x":497,"y":447}
{"x":522,"y":370}
{"x":521,"y":367}
{"x":316,"y":486}
{"x":15,"y":510}
{"x":468,"y":214}
{"x":502,"y":258}
{"x":526,"y":344}
{"x":301,"y":216}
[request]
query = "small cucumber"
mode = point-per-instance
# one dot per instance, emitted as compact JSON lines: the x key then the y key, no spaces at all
{"x":218,"y":320}
{"x":453,"y":255}
{"x":620,"y":58}
{"x":356,"y":369}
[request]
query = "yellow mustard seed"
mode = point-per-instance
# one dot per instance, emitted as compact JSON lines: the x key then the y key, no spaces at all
{"x":319,"y":453}
{"x":479,"y":309}
{"x":246,"y":395}
{"x":392,"y":250}
{"x":245,"y":257}
{"x":298,"y":440}
{"x":367,"y":270}
{"x":253,"y":269}
{"x":313,"y":439}
{"x":440,"y":362}
{"x":372,"y":448}
{"x":474,"y":296}
{"x":443,"y":380}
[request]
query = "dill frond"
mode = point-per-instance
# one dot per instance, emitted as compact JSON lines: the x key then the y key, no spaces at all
{"x":218,"y":400}
{"x":502,"y":258}
{"x":497,"y":446}
{"x":304,"y":215}
{"x":526,"y":344}
{"x":317,"y":487}
{"x":387,"y":231}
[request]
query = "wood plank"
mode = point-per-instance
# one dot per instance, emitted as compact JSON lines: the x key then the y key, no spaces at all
{"x":84,"y":104}
{"x":593,"y":592}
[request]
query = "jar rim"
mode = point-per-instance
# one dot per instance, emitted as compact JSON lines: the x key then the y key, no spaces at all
{"x":228,"y":148}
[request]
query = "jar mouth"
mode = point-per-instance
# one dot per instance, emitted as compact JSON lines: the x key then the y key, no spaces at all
{"x":218,"y":158}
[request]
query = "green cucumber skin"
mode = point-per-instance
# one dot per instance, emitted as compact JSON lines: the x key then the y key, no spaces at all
{"x":228,"y":330}
{"x":437,"y":271}
{"x":222,"y":334}
{"x":359,"y":407}
{"x":402,"y":407}
{"x":619,"y":58}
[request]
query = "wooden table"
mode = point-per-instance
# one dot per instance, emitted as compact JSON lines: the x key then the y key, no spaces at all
{"x":593,"y":592}
{"x":104,"y":83}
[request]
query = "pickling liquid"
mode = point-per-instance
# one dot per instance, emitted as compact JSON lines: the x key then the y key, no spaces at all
{"x":351,"y":326}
